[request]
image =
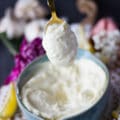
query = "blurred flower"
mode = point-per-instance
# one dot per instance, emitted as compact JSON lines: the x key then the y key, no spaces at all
{"x":106,"y":38}
{"x":35,"y":29}
{"x":29,"y":9}
{"x":13,"y":75}
{"x":89,"y":8}
{"x":105,"y":24}
{"x":12,"y":26}
{"x":83,"y":34}
{"x":28,"y":52}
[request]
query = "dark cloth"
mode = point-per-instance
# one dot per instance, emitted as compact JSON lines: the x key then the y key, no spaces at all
{"x":67,"y":8}
{"x":6,"y":63}
{"x":110,"y":8}
{"x":106,"y":8}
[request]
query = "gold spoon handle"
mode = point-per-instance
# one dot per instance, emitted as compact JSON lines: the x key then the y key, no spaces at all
{"x":51,"y":5}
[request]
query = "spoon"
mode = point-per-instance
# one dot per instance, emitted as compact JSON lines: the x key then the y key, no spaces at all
{"x":54,"y":18}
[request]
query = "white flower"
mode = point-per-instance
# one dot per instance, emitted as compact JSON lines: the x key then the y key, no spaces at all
{"x":107,"y":43}
{"x":29,"y":9}
{"x":35,"y":29}
{"x":82,"y":33}
{"x":12,"y":26}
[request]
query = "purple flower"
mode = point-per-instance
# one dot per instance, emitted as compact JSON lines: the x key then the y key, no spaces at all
{"x":28,"y":52}
{"x":13,"y":75}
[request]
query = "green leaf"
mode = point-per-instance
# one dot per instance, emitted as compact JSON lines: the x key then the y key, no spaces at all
{"x":12,"y":45}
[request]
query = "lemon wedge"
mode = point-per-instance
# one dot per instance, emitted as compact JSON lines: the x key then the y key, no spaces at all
{"x":115,"y":113}
{"x":4,"y":119}
{"x":8,"y":102}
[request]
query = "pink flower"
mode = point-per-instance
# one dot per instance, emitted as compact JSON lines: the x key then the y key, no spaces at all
{"x":105,"y":24}
{"x":28,"y":52}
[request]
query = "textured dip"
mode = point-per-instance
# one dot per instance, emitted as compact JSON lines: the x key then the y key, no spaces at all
{"x":60,"y":44}
{"x":59,"y":92}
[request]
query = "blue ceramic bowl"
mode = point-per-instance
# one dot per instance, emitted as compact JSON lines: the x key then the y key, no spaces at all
{"x":92,"y":113}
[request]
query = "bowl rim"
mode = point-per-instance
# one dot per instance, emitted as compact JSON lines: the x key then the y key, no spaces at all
{"x":86,"y":54}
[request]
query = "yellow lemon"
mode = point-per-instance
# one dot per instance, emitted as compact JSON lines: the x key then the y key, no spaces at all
{"x":4,"y":119}
{"x":8,"y":102}
{"x":115,"y":113}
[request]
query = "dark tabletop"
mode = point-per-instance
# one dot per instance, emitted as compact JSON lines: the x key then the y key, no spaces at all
{"x":64,"y":8}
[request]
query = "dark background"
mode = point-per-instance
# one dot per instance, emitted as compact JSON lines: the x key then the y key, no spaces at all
{"x":64,"y":8}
